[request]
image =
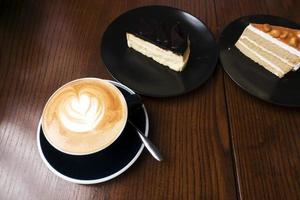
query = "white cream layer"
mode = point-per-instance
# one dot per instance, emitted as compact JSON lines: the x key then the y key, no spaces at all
{"x":274,"y":41}
{"x":262,"y":58}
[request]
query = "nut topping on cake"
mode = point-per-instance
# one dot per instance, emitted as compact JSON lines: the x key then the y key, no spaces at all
{"x":284,"y":35}
{"x":293,"y":41}
{"x":275,"y":33}
{"x":267,"y":28}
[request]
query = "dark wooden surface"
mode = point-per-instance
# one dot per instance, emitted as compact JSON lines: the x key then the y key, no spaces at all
{"x":219,"y":142}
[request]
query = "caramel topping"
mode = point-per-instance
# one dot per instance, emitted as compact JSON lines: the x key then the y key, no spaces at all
{"x":284,"y":35}
{"x":275,"y":33}
{"x":289,"y":36}
{"x":293,"y":42}
{"x":267,"y":28}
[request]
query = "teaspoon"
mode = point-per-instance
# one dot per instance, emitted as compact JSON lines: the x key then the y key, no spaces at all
{"x":148,"y":144}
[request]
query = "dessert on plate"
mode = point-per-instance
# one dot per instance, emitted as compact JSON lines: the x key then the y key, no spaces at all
{"x":275,"y":48}
{"x":166,"y":43}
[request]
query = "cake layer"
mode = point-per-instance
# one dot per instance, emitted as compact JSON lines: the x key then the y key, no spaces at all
{"x":281,"y":63}
{"x":271,"y":55}
{"x":165,"y":57}
{"x":256,"y":55}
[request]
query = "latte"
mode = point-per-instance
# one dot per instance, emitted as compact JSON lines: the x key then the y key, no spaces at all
{"x":84,"y":116}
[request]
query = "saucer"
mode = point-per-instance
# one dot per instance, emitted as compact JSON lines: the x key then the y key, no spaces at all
{"x":144,"y":75}
{"x":103,"y":165}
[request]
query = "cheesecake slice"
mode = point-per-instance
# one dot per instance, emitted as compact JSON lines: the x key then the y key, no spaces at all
{"x":167,"y":44}
{"x":275,"y":48}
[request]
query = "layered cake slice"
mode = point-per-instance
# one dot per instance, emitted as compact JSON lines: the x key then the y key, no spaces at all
{"x":167,"y":44}
{"x":275,"y":48}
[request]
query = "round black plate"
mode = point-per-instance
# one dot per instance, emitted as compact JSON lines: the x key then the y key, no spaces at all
{"x":251,"y":76}
{"x":144,"y":75}
{"x":103,"y":165}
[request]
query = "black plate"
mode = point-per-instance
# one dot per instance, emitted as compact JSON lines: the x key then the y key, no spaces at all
{"x":251,"y":76}
{"x":103,"y":165}
{"x":144,"y":75}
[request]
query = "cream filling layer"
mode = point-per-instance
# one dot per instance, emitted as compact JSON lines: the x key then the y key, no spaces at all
{"x":262,"y":58}
{"x":274,"y":41}
{"x":164,"y":57}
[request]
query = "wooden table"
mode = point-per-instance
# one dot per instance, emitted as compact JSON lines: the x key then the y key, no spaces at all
{"x":219,"y":142}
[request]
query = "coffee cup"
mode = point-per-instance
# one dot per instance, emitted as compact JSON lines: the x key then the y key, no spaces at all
{"x":84,"y":116}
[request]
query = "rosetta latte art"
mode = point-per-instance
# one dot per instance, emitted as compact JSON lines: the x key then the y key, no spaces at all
{"x":84,"y":116}
{"x":81,"y":112}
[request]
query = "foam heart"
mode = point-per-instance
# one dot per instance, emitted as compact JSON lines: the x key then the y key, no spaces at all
{"x":80,"y":104}
{"x":81,"y":113}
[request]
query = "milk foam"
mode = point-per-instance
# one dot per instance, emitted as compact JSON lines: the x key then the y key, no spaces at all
{"x":81,"y":113}
{"x":84,"y":116}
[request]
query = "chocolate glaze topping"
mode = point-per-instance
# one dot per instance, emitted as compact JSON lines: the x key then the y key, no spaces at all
{"x":163,"y":34}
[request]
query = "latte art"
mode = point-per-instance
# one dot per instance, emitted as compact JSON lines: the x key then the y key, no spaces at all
{"x":81,"y":112}
{"x":84,"y":116}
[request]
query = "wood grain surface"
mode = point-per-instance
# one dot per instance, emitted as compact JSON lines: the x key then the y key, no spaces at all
{"x":218,"y":141}
{"x":265,"y":138}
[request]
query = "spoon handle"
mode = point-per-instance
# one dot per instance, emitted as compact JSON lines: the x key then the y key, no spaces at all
{"x":149,"y":145}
